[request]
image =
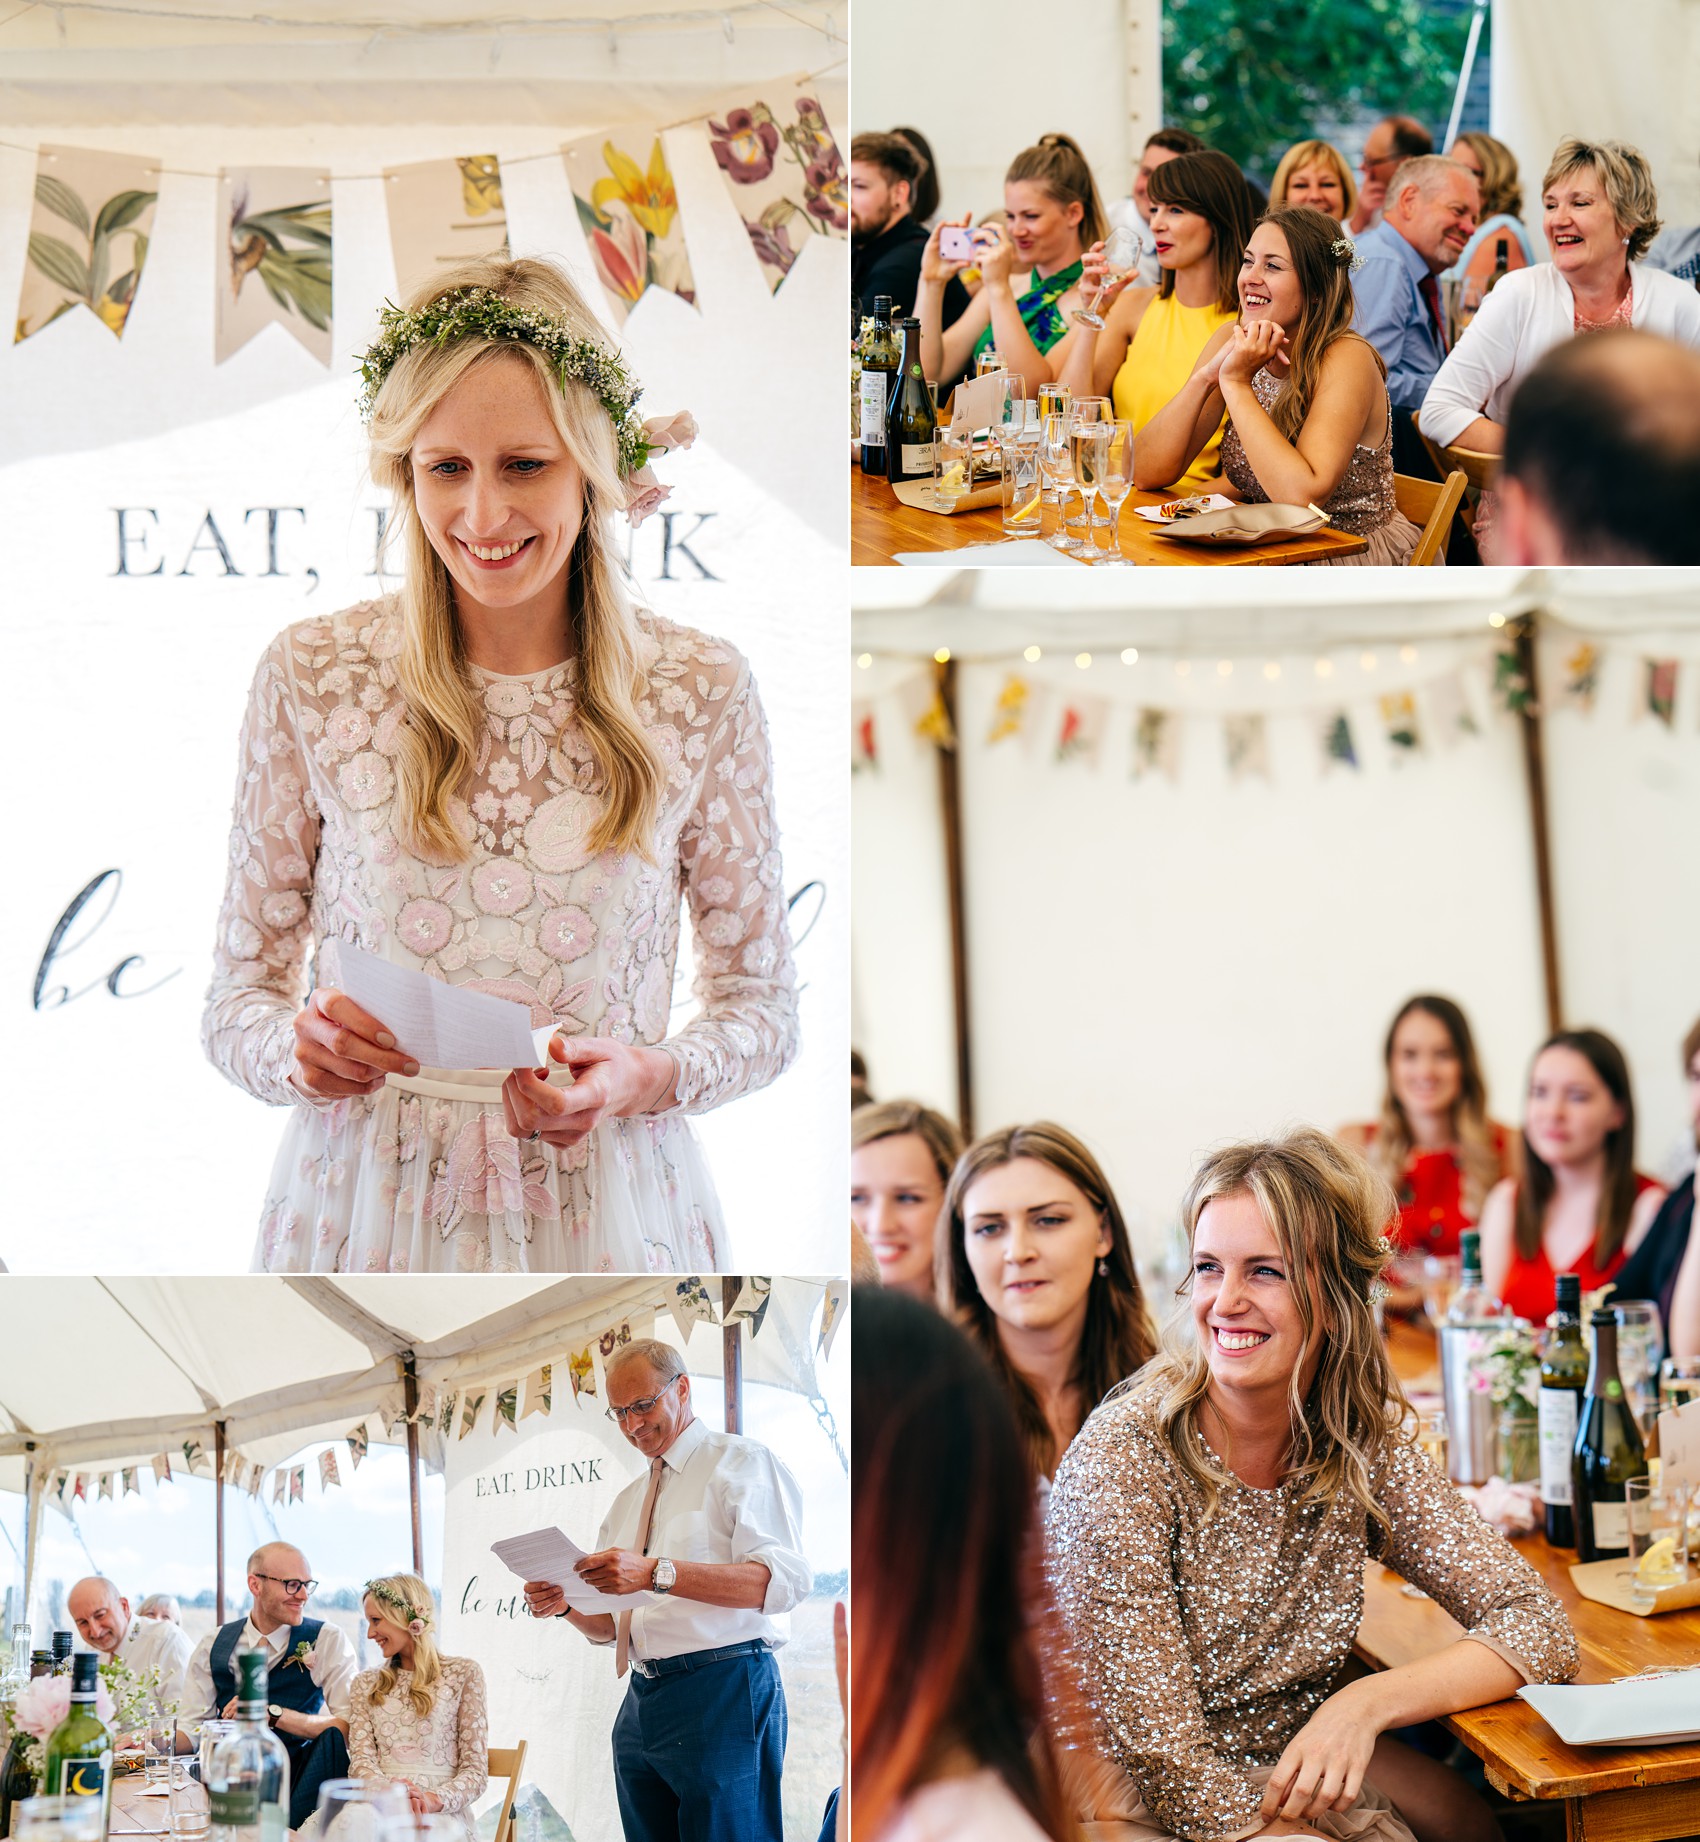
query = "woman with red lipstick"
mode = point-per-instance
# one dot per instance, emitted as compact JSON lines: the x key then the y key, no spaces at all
{"x":1309,"y":420}
{"x":505,"y":777}
{"x":1600,"y":212}
{"x":1210,"y":1526}
{"x":901,"y":1156}
{"x":1580,"y":1205}
{"x":1036,"y":1265}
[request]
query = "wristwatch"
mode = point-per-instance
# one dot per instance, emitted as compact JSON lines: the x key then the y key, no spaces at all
{"x":665,"y":1574}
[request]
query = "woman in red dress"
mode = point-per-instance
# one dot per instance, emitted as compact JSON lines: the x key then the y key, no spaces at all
{"x":1434,"y":1141}
{"x":1580,"y":1206}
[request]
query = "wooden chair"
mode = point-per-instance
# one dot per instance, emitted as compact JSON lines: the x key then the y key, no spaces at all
{"x":1480,"y":470}
{"x":507,"y":1762}
{"x":1430,"y":508}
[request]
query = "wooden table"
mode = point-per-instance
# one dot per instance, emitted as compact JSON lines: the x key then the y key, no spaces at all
{"x":1636,"y":1794}
{"x":135,"y":1815}
{"x":881,"y":526}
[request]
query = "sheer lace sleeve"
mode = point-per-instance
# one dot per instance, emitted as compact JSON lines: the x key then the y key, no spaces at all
{"x":746,"y":1032}
{"x":362,"y":1736}
{"x":472,"y":1738}
{"x":258,"y":980}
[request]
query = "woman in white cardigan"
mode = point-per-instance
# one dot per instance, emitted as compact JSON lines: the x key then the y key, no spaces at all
{"x":1600,"y":212}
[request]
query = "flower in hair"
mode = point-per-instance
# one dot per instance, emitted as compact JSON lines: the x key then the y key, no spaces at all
{"x":416,"y":1627}
{"x":1347,"y":251}
{"x":415,"y":1621}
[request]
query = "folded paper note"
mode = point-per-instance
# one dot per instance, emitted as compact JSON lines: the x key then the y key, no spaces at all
{"x":547,"y":1554}
{"x":440,"y":1025}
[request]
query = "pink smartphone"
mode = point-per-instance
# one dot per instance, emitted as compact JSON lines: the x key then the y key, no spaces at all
{"x":956,"y":243}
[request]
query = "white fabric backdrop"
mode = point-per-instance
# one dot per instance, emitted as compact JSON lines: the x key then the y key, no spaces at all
{"x":129,"y":689}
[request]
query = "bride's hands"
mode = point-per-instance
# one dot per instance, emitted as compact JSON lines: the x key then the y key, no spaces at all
{"x":341,"y":1049}
{"x":611,"y":1080}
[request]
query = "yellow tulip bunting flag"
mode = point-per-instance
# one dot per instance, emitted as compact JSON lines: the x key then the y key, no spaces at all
{"x":630,"y":213}
{"x":786,"y":176}
{"x":442,"y":212}
{"x":88,"y":236}
{"x":274,"y":257}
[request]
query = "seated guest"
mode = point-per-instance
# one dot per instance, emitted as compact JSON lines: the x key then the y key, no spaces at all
{"x":1134,"y":213}
{"x":1602,"y":456}
{"x":1315,"y":174}
{"x":1676,"y":250}
{"x":311,"y":1665}
{"x":1432,"y":208}
{"x":1495,"y":169}
{"x":1210,"y":1526}
{"x":1391,"y":142}
{"x":160,"y":1605}
{"x":1200,"y":219}
{"x":925,"y":201}
{"x":951,"y":1724}
{"x":144,"y":1645}
{"x":1040,"y":1273}
{"x":1599,"y":211}
{"x":1579,"y":1206}
{"x":420,"y":1721}
{"x":886,"y":238}
{"x":1308,"y":414}
{"x":1028,"y":269}
{"x":1434,"y":1142}
{"x":901,"y":1156}
{"x":1652,"y":1270}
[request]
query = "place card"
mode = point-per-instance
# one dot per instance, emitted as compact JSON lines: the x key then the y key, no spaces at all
{"x":1679,"y":1443}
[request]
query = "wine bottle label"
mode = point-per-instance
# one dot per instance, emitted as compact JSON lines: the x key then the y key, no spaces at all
{"x":917,"y":458}
{"x":1611,"y":1526}
{"x":85,"y":1776}
{"x":873,"y":408}
{"x":1558,"y":1439}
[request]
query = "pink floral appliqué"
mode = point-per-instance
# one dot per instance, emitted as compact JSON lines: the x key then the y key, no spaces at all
{"x":484,"y":1176}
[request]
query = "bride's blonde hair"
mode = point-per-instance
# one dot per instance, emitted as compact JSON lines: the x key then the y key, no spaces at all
{"x":403,"y":1599}
{"x":438,"y":742}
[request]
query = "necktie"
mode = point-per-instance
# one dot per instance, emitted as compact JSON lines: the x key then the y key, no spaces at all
{"x":623,"y":1625}
{"x":1429,"y":288}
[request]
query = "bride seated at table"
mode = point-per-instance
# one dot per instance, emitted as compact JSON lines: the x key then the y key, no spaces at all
{"x":1209,"y":1529}
{"x":420,"y":1721}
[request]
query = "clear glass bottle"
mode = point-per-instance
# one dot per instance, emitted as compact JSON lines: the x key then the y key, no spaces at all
{"x":248,"y":1770}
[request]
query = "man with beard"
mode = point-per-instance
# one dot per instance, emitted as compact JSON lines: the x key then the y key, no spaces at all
{"x":886,"y":238}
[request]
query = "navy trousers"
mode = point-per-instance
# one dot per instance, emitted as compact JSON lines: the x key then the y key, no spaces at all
{"x":698,"y":1751}
{"x":311,"y":1762}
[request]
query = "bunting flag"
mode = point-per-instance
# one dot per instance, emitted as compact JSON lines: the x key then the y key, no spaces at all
{"x":193,"y":1456}
{"x":1450,"y":715}
{"x":630,"y":214}
{"x":256,"y":1477}
{"x":1010,"y":713}
{"x":507,"y":1407}
{"x":786,"y":177}
{"x":864,"y":742}
{"x":235,"y":1465}
{"x":280,"y":1483}
{"x":1338,"y":748}
{"x":1081,"y":733}
{"x":443,"y":212}
{"x":690,"y":1304}
{"x":328,"y":1475}
{"x":274,"y":257}
{"x":581,"y":1369}
{"x":751,"y":1303}
{"x":612,"y":1338}
{"x":426,"y":1410}
{"x":1156,"y":744}
{"x":539,"y":1392}
{"x":106,"y":1487}
{"x":832,"y":1313}
{"x":358,"y":1445}
{"x":446,"y":1416}
{"x":1582,"y":676}
{"x":1658,"y":692}
{"x":1246,"y":734}
{"x":88,"y":237}
{"x":130,"y":1484}
{"x":60,"y":1480}
{"x":298,"y":1484}
{"x":471,"y":1406}
{"x":1399,"y":719}
{"x":161,"y":1468}
{"x":1510,"y":685}
{"x":80,"y":1489}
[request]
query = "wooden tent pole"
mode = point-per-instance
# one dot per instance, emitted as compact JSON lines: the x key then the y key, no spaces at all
{"x":950,"y":801}
{"x":29,"y":1530}
{"x":218,"y":1519}
{"x":410,"y":1400}
{"x":732,"y":1357}
{"x":1534,"y":764}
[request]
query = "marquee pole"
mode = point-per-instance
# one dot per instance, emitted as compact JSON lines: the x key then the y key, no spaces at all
{"x":950,"y":801}
{"x":29,"y":1530}
{"x":1534,"y":766}
{"x":732,"y":1356}
{"x":218,"y":1518}
{"x":410,"y":1400}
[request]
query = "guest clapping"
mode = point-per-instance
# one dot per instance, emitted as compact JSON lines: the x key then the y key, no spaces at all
{"x":1040,"y":1272}
{"x":1580,"y":1206}
{"x":901,"y":1155}
{"x":1152,"y":337}
{"x":1210,"y":1526}
{"x":1308,"y":413}
{"x":1599,"y":210}
{"x":1495,"y":168}
{"x":1314,"y":174}
{"x":1053,"y":212}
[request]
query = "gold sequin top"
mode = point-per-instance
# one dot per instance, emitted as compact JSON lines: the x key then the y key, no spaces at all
{"x":1207,"y":1645}
{"x":1363,"y":501}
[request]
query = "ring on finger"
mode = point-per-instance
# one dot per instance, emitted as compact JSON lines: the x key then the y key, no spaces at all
{"x":535,"y":1135}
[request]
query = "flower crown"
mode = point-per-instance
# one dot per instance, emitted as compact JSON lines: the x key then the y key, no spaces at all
{"x":1347,"y":251}
{"x":481,"y":313}
{"x":410,"y":1618}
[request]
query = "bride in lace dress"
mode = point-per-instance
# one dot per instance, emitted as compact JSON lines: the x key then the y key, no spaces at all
{"x":505,"y":777}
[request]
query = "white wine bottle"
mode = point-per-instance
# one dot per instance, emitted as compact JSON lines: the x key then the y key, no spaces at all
{"x":1564,"y":1374}
{"x":911,"y":424}
{"x":248,"y":1770}
{"x":1607,"y":1455}
{"x":78,"y":1758}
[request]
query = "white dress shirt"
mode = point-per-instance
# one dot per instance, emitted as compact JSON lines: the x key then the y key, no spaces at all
{"x":152,"y":1643}
{"x":722,"y":1498}
{"x":333,"y":1667}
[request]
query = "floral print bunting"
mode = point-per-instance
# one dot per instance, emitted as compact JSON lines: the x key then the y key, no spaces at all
{"x":786,"y":177}
{"x":442,"y":212}
{"x":274,"y":261}
{"x":88,"y":237}
{"x":629,"y":211}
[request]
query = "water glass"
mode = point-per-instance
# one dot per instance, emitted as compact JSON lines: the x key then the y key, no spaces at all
{"x":953,"y":467}
{"x":1679,"y":1382}
{"x":190,"y":1805}
{"x":1018,"y":488}
{"x":59,"y":1819}
{"x":159,"y":1742}
{"x":350,"y":1810}
{"x":1121,"y":252}
{"x":1657,"y":1512}
{"x":211,"y":1732}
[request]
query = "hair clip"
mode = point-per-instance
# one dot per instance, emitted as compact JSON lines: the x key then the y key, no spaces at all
{"x":1347,"y":250}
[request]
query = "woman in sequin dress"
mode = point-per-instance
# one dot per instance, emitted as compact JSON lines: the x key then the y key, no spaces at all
{"x":1309,"y":420}
{"x":506,"y":778}
{"x":1210,"y":1525}
{"x":1039,"y":1270}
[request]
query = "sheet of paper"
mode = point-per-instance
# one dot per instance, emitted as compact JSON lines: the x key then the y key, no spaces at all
{"x":547,"y":1554}
{"x":1025,"y":552}
{"x":439,"y":1025}
{"x":1679,"y":1442}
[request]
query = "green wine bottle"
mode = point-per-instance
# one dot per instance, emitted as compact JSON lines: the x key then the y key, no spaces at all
{"x":1608,"y":1454}
{"x":78,"y":1759}
{"x":879,"y":366}
{"x":1564,"y":1374}
{"x":911,"y":423}
{"x":248,"y":1770}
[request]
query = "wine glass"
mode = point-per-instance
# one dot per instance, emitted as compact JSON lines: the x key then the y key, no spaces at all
{"x":1087,"y":442}
{"x":1640,"y":1350}
{"x":1442,"y":1274}
{"x":351,"y":1810}
{"x":1054,"y":399}
{"x":1055,"y":463}
{"x":1121,"y":252}
{"x":1088,"y":409}
{"x":1115,"y":482}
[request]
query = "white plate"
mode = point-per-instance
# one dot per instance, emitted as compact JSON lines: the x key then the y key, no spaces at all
{"x":1153,"y":514}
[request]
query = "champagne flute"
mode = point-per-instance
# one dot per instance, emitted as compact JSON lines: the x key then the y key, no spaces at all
{"x":1055,"y":462}
{"x":1115,"y":482}
{"x":1053,"y":399}
{"x":1088,"y":409}
{"x":1087,"y":441}
{"x":1121,"y":252}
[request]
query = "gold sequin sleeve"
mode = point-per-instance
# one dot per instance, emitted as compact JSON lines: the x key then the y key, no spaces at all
{"x":1114,"y":1536}
{"x":1439,"y":1543}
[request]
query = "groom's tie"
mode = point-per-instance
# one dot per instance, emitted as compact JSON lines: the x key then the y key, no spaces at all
{"x":623,"y":1626}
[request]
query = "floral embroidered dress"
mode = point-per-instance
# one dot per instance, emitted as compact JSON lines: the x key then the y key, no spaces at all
{"x":424,"y":1175}
{"x":445,"y":1751}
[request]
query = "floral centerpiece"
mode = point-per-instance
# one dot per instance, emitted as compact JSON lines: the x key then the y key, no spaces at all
{"x":41,"y":1706}
{"x":1507,"y":1367}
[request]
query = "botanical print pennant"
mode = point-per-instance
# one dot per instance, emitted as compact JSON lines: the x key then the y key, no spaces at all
{"x":1338,"y":747}
{"x":88,"y":236}
{"x":1658,"y":690}
{"x":1399,"y":719}
{"x":280,"y":1483}
{"x":358,"y":1445}
{"x":106,"y":1486}
{"x":131,"y":1486}
{"x":864,"y":736}
{"x":256,"y":1477}
{"x":690,"y":1304}
{"x":1246,"y":735}
{"x":1156,"y":744}
{"x":751,"y":1303}
{"x":274,"y":257}
{"x":507,"y":1407}
{"x":834,"y":1306}
{"x":581,"y":1368}
{"x":443,"y":212}
{"x":1081,"y":732}
{"x":539,"y":1392}
{"x":298,"y":1484}
{"x":327,"y":1469}
{"x":630,"y":213}
{"x":470,"y":1409}
{"x":785,"y":174}
{"x":1010,"y":712}
{"x":1450,"y":716}
{"x":1582,"y":676}
{"x":161,"y":1468}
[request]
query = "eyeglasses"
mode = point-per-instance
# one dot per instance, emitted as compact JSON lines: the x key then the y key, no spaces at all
{"x":1368,"y":165}
{"x":306,"y":1588}
{"x":620,"y":1415}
